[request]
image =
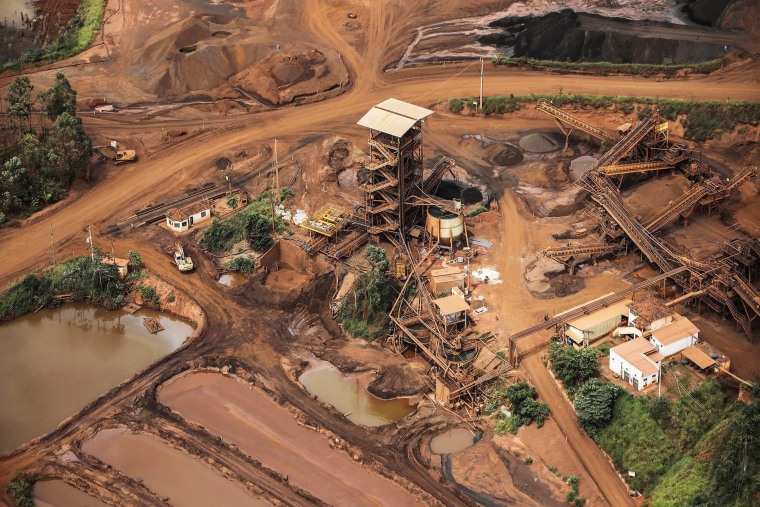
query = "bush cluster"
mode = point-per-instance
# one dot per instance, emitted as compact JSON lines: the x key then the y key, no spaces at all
{"x":253,"y":223}
{"x":701,"y":119}
{"x":79,"y":34}
{"x":80,"y":277}
{"x":241,"y":264}
{"x":606,"y":68}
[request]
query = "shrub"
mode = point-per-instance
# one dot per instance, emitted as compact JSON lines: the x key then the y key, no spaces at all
{"x":572,"y":366}
{"x":456,"y":105}
{"x":20,"y":489}
{"x":241,"y":264}
{"x":593,"y":403}
{"x":149,"y":295}
{"x":477,"y":211}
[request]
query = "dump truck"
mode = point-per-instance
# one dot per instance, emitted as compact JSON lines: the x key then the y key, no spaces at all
{"x":183,"y":262}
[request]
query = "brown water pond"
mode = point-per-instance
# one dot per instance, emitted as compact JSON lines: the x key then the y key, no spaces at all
{"x":57,"y":493}
{"x":453,"y":441}
{"x":348,"y":394}
{"x":232,"y":279}
{"x":247,"y":418}
{"x":166,"y":471}
{"x":56,"y":361}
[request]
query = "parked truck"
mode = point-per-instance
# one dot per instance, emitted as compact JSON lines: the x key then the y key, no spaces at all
{"x":183,"y":262}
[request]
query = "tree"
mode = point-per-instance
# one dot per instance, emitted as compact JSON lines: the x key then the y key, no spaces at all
{"x":69,"y":148}
{"x":258,"y":230}
{"x":232,"y":201}
{"x":20,"y":99}
{"x":59,"y":98}
{"x":572,"y":366}
{"x":135,"y":260}
{"x":593,"y":403}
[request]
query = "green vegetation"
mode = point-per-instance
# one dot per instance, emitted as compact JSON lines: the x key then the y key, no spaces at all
{"x":79,"y":34}
{"x":701,"y":450}
{"x":524,"y":407}
{"x":149,"y":295}
{"x":20,"y":489}
{"x":477,"y":211}
{"x":37,"y":166}
{"x":702,"y":119}
{"x":253,"y":224}
{"x":364,"y":311}
{"x":240,"y":264}
{"x":135,"y":261}
{"x":606,"y":68}
{"x":593,"y":402}
{"x":573,"y":366}
{"x":572,"y":495}
{"x":80,"y":277}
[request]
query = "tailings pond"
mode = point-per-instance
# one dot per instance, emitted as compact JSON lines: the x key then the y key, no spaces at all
{"x":56,"y":361}
{"x":57,"y":493}
{"x":166,"y":471}
{"x":232,"y":279}
{"x":348,"y":394}
{"x":453,"y":441}
{"x":244,"y":416}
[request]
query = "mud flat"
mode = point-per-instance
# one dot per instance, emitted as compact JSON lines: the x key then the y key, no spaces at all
{"x":57,"y":493}
{"x":56,"y":361}
{"x":247,"y":418}
{"x":348,"y":394}
{"x":168,"y":472}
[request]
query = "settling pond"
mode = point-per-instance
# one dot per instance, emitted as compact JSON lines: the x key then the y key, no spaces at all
{"x":349,"y":395}
{"x":56,"y":361}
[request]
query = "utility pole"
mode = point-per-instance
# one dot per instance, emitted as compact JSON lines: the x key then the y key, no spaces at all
{"x":52,"y":243}
{"x":659,"y":379}
{"x":481,"y":84}
{"x":89,"y":240}
{"x":276,"y":171}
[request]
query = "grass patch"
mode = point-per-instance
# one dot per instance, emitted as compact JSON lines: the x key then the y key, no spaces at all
{"x":702,"y":119}
{"x":607,"y":68}
{"x":79,"y":34}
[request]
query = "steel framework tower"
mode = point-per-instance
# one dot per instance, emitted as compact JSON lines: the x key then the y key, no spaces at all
{"x":395,"y":167}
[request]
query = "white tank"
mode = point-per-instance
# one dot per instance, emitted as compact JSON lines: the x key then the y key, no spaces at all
{"x":445,"y":226}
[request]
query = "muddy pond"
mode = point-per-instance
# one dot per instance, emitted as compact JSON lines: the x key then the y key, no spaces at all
{"x":349,"y":395}
{"x":191,"y":482}
{"x":232,"y":279}
{"x":57,"y":493}
{"x":56,"y":361}
{"x":244,"y":416}
{"x":453,"y":441}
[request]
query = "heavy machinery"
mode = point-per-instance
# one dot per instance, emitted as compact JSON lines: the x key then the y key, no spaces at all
{"x":183,"y":262}
{"x":125,"y":156}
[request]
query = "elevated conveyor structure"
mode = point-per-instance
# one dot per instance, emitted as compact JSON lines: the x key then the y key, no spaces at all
{"x":567,"y":122}
{"x":636,"y":167}
{"x":571,"y":251}
{"x":683,"y":205}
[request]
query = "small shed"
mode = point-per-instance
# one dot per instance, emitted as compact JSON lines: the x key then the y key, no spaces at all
{"x":453,"y":309}
{"x":699,"y":358}
{"x":443,"y":280}
{"x":581,"y":331}
{"x":122,"y":265}
{"x":649,"y":314}
{"x":181,"y":219}
{"x":675,"y":337}
{"x":637,"y":362}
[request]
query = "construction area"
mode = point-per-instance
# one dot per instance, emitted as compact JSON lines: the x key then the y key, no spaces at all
{"x":348,"y":157}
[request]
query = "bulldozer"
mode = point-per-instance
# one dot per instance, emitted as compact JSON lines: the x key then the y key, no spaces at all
{"x":183,"y":262}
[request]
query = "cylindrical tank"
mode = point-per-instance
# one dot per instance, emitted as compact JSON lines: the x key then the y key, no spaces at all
{"x":443,"y":225}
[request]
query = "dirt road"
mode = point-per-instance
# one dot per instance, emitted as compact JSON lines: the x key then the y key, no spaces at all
{"x":168,"y":170}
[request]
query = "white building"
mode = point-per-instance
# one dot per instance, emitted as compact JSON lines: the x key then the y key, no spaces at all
{"x":181,"y":219}
{"x":637,"y":362}
{"x":583,"y":330}
{"x":675,"y":337}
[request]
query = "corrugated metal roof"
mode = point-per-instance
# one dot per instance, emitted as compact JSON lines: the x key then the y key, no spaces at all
{"x":675,"y":331}
{"x":451,"y":304}
{"x":698,"y":357}
{"x":635,"y":353}
{"x":393,"y":117}
{"x":599,"y":316}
